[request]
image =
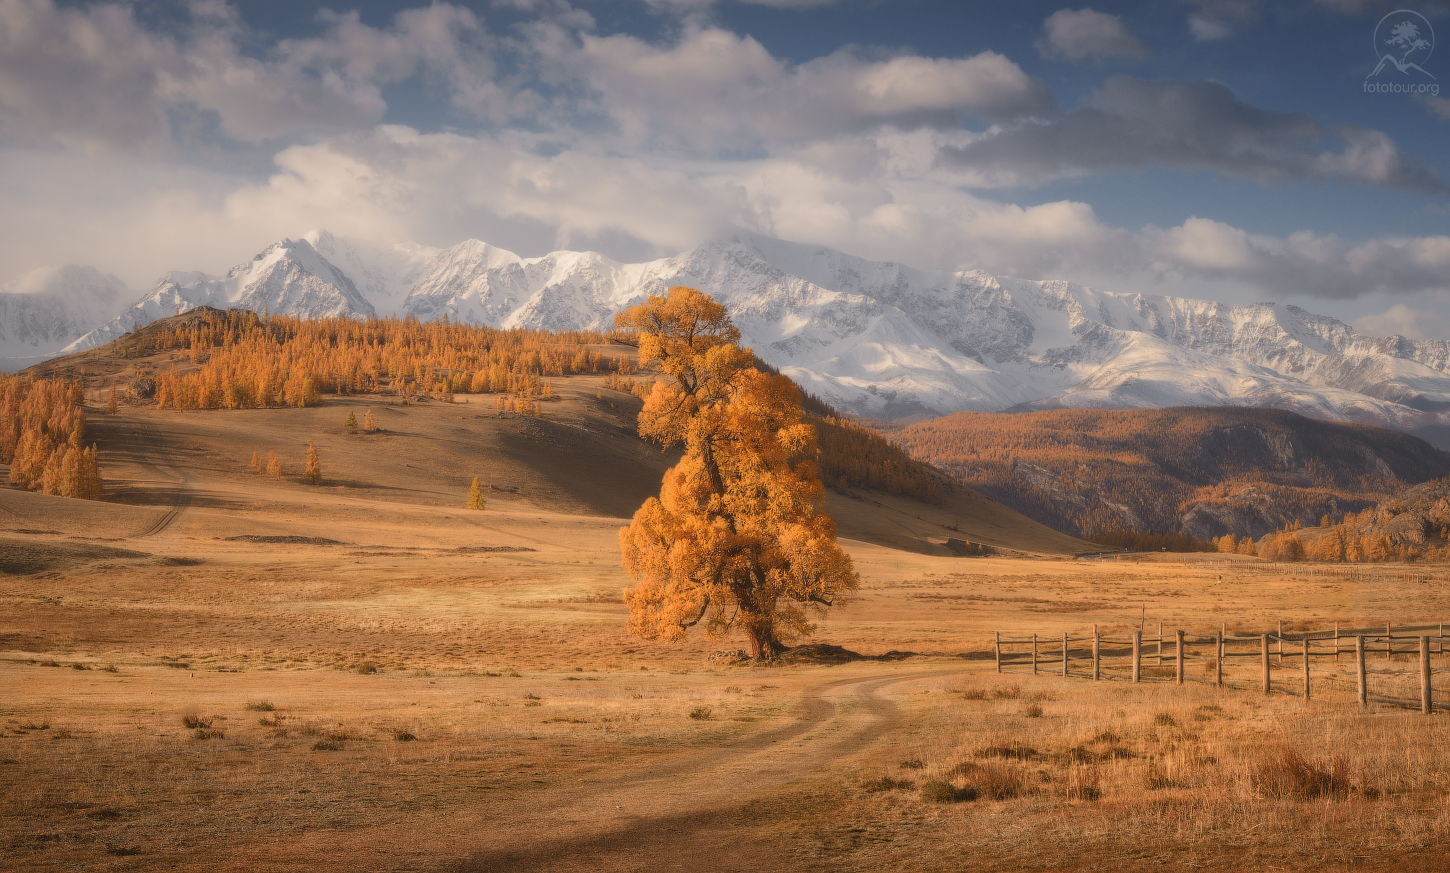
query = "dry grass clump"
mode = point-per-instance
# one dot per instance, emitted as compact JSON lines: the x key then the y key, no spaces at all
{"x":1014,"y":751}
{"x":260,"y":706}
{"x":938,"y":791}
{"x":993,"y":780}
{"x":404,"y":736}
{"x":887,"y":783}
{"x":1032,"y":710}
{"x":1286,"y":774}
{"x":366,"y":667}
{"x":701,"y":713}
{"x":195,"y":722}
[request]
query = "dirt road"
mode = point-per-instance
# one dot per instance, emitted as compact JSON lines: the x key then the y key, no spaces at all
{"x":684,"y":815}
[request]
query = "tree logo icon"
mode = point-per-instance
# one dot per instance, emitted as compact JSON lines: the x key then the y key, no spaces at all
{"x":1404,"y":40}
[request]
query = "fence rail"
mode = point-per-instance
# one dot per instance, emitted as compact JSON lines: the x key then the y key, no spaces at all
{"x":1363,"y":644}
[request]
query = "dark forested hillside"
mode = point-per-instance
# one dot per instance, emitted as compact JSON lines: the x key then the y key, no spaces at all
{"x":1201,"y":471}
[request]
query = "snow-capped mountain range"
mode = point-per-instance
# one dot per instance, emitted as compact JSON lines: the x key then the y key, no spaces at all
{"x":874,"y":338}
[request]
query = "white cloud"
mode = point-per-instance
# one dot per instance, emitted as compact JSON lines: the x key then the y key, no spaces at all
{"x":1438,"y":106}
{"x":1217,"y":19}
{"x":1402,"y":320}
{"x":1084,"y":34}
{"x":1191,"y":126}
{"x":713,"y":91}
{"x":1208,"y":29}
{"x":634,"y":148}
{"x":94,"y":80}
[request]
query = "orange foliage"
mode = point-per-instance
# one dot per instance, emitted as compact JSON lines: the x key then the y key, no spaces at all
{"x":42,"y":437}
{"x":737,"y":537}
{"x":247,"y":362}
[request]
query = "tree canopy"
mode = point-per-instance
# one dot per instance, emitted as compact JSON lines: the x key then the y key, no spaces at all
{"x":736,"y":538}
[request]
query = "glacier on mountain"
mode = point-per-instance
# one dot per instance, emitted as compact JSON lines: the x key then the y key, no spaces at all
{"x":874,"y":338}
{"x":287,"y":277}
{"x":45,"y":310}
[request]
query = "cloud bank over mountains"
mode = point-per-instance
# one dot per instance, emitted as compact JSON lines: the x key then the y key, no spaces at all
{"x":140,"y":145}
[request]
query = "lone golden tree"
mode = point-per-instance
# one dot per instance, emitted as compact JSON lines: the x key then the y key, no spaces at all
{"x":313,"y":474}
{"x":737,"y":537}
{"x":475,"y":495}
{"x":369,"y":425}
{"x":274,"y":466}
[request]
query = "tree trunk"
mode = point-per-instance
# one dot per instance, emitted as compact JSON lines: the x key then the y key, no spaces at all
{"x":763,"y":643}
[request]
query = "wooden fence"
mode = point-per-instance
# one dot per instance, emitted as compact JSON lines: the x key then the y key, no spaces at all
{"x":1102,"y":658}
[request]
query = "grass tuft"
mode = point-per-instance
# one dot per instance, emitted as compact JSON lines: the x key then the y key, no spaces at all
{"x":403,"y":736}
{"x":260,"y":706}
{"x":701,"y":713}
{"x":1288,"y":775}
{"x":1014,"y":751}
{"x":938,"y":791}
{"x":195,"y":722}
{"x":1032,"y":710}
{"x":886,"y":783}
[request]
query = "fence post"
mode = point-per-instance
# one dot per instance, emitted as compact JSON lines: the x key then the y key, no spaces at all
{"x":1359,"y":669}
{"x":1160,"y":644}
{"x":997,"y":641}
{"x":1137,"y":656}
{"x":1178,"y":640}
{"x":1064,"y":654}
{"x":1336,"y":642}
{"x":1280,"y":636}
{"x":1426,"y":703}
{"x":1096,"y":660}
{"x":1389,"y":642}
{"x":1306,"y":666}
{"x":1267,"y":686}
{"x":1034,"y":654}
{"x":1218,"y":678}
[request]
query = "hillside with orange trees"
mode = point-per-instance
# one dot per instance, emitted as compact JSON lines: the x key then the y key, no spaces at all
{"x":1412,"y":525}
{"x":43,"y":437}
{"x":1204,"y":472}
{"x":213,"y":360}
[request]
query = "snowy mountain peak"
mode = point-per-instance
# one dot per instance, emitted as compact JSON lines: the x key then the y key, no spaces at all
{"x":876,"y":338}
{"x":45,"y":309}
{"x":288,"y":277}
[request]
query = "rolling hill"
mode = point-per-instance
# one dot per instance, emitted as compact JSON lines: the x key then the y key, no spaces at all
{"x":580,"y":455}
{"x":1205,"y":472}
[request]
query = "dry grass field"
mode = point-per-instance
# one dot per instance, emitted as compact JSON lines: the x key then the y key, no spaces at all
{"x":220,"y":671}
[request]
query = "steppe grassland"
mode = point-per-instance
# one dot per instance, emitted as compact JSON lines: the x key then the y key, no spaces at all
{"x":127,"y":774}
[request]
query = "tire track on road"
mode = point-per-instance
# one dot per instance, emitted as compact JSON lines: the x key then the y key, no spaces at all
{"x":147,"y":457}
{"x":685,"y":814}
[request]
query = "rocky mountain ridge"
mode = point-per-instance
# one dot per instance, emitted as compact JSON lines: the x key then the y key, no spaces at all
{"x":877,"y":339}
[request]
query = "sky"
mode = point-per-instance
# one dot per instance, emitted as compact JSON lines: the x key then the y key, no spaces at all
{"x":1228,"y":149}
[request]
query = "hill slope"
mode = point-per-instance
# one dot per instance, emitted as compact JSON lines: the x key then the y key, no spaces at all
{"x":580,"y":455}
{"x":1200,"y":471}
